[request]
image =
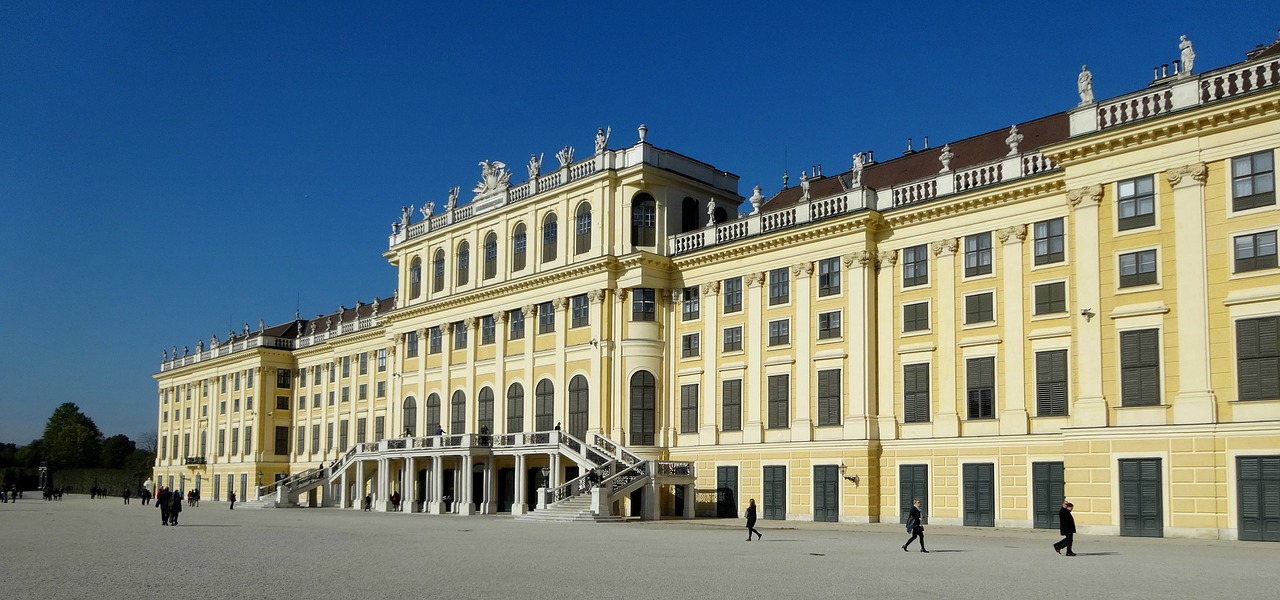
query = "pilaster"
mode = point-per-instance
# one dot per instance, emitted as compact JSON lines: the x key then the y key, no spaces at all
{"x":802,"y":340}
{"x":708,"y":433}
{"x":1013,"y":413}
{"x":859,"y":333}
{"x":947,"y":421}
{"x":1195,"y":401}
{"x":886,"y":417}
{"x":753,"y":388}
{"x":1090,"y":408}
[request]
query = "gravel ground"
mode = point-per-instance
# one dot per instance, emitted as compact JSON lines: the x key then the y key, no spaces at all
{"x":82,"y":548}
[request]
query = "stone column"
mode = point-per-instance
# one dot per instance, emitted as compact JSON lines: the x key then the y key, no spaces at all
{"x":886,"y":308}
{"x":343,"y":500}
{"x":709,"y":310}
{"x":530,"y":332}
{"x":858,"y":325}
{"x":1090,"y":408}
{"x":473,"y":341}
{"x":802,"y":340}
{"x":487,"y":505}
{"x":462,"y":489}
{"x":500,"y":371}
{"x":435,"y":495}
{"x":382,"y":500}
{"x":597,"y":420}
{"x":947,"y":420}
{"x":753,"y":383}
{"x":408,"y":486}
{"x":423,"y":388}
{"x":520,"y":505}
{"x":619,"y":391}
{"x":1013,"y":415}
{"x":1195,"y":401}
{"x":560,"y":404}
{"x":360,"y":484}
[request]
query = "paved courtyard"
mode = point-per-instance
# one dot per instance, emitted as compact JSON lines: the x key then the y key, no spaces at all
{"x":80,"y":548}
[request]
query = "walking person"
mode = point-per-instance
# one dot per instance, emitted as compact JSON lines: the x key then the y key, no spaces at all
{"x":126,"y":495}
{"x":175,"y":507}
{"x":162,"y":501}
{"x":1067,"y":527}
{"x":751,"y":520}
{"x":232,"y":497}
{"x":915,"y":526}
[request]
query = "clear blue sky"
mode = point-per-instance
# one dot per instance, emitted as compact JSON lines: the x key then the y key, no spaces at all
{"x":170,"y":169}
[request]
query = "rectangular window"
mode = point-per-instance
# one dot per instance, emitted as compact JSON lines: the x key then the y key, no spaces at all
{"x":689,"y":408}
{"x":979,"y":308}
{"x":343,"y":438}
{"x":364,"y":363}
{"x":731,"y":405}
{"x":1138,"y":268}
{"x":780,"y":332}
{"x":235,"y":385}
{"x":1050,"y":241}
{"x":1140,"y":368}
{"x":915,"y":265}
{"x":516,"y":320}
{"x":1051,"y":298}
{"x":915,"y":390}
{"x":980,"y":387}
{"x":248,"y":374}
{"x":733,"y":339}
{"x":828,"y":277}
{"x":690,"y":345}
{"x":248,"y":403}
{"x":381,"y":389}
{"x":580,"y":311}
{"x":643,"y":304}
{"x":284,"y":379}
{"x":915,"y":317}
{"x":779,"y":390}
{"x":546,"y":318}
{"x":328,"y":437}
{"x":222,"y":442}
{"x":1051,"y":383}
{"x":1258,"y":358}
{"x":1253,"y":181}
{"x":346,"y":367}
{"x":379,"y":428}
{"x":315,"y":438}
{"x":459,"y":336}
{"x":733,"y":295}
{"x":248,"y":439}
{"x":333,"y":370}
{"x":235,"y":441}
{"x":410,"y":344}
{"x":779,"y":286}
{"x":1255,"y":251}
{"x":977,"y":254}
{"x":302,"y":377}
{"x":282,"y":403}
{"x":346,"y":393}
{"x":1136,"y":203}
{"x":361,"y":427}
{"x":691,"y":307}
{"x":382,"y":360}
{"x":435,"y":340}
{"x":829,"y":325}
{"x":235,"y":407}
{"x":301,"y":446}
{"x":315,"y":400}
{"x":829,"y":397}
{"x":222,"y":407}
{"x":331,"y":396}
{"x":487,"y":330}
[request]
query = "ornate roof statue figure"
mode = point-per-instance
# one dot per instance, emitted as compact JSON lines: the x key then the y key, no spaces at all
{"x":711,"y":212}
{"x":406,"y":214}
{"x":430,"y":207}
{"x":1013,"y":140}
{"x":855,"y":175}
{"x":804,"y":185}
{"x":946,"y":157}
{"x":756,"y":199}
{"x":1084,"y":83}
{"x":493,"y":177}
{"x":535,"y":166}
{"x":1188,"y":55}
{"x":565,"y":155}
{"x":453,"y":195}
{"x":602,"y":139}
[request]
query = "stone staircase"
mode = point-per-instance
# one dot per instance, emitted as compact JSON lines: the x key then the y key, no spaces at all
{"x":572,"y":510}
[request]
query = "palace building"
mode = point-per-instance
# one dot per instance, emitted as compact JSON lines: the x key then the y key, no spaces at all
{"x":1085,"y":305}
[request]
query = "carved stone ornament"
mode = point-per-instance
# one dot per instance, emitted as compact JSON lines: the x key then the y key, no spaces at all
{"x":565,"y":156}
{"x":447,"y":328}
{"x":756,"y":279}
{"x":945,"y":158}
{"x":1197,"y":171}
{"x":530,"y":310}
{"x":855,"y":174}
{"x":500,"y":317}
{"x":1013,"y":140}
{"x":888,"y":258}
{"x":804,"y":268}
{"x":675,"y":295}
{"x":494,"y":177}
{"x":560,"y":303}
{"x":947,"y":246}
{"x":1013,"y":234}
{"x":863,"y":258}
{"x":470,"y":322}
{"x":620,"y":294}
{"x":595,"y":296}
{"x":711,"y":288}
{"x":1089,"y":195}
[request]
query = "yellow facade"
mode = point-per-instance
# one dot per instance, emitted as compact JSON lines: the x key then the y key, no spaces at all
{"x":1061,"y":309}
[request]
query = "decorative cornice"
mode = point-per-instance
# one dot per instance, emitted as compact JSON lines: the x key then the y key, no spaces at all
{"x":1198,"y":172}
{"x":947,"y":246}
{"x":1087,"y":196}
{"x":861,"y":222}
{"x":1017,"y":190}
{"x":805,"y":268}
{"x":1013,"y":234}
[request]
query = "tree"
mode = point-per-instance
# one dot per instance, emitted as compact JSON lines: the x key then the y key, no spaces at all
{"x":146,"y":441}
{"x":71,"y":439}
{"x":30,"y":455}
{"x":115,"y":450}
{"x":8,"y":452}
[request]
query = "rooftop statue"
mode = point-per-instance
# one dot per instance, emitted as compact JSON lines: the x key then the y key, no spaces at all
{"x":1013,"y":140}
{"x":1188,"y":55}
{"x":1084,"y":83}
{"x":493,"y":177}
{"x":804,"y":186}
{"x":453,"y":197}
{"x":428,"y":208}
{"x":855,"y":175}
{"x":535,"y":166}
{"x":602,"y":139}
{"x":565,"y":155}
{"x":406,"y":214}
{"x":946,"y":157}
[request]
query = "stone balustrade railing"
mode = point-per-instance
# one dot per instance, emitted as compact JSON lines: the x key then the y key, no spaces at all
{"x":226,"y":349}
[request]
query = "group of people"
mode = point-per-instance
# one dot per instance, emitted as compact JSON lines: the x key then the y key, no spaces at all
{"x":9,"y":493}
{"x":170,"y":503}
{"x":915,"y":526}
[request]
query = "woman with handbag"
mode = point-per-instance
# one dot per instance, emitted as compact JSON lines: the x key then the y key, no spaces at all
{"x":751,"y":520}
{"x":915,"y":526}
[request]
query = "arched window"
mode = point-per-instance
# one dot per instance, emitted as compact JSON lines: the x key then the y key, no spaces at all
{"x":644,"y":398}
{"x":415,"y":277}
{"x":458,"y":413}
{"x":578,"y":407}
{"x":549,"y":236}
{"x":688,"y":214}
{"x":515,"y":408}
{"x":411,"y":416}
{"x":644,"y":220}
{"x":519,"y":245}
{"x":437,"y":272}
{"x":484,"y":410}
{"x":722,"y":215}
{"x":544,"y":406}
{"x":464,"y":263}
{"x":582,"y":229}
{"x":433,"y":414}
{"x":490,"y":255}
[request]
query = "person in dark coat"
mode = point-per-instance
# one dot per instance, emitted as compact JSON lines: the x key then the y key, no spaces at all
{"x":915,"y":525}
{"x":751,"y":520}
{"x":126,"y":495}
{"x":162,"y":501}
{"x":175,"y":507}
{"x":1067,"y":527}
{"x":232,"y":497}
